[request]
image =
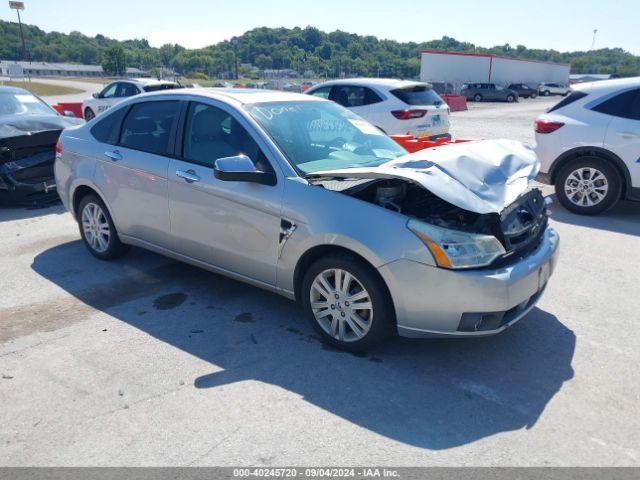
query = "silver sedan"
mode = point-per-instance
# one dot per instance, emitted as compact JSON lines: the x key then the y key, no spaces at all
{"x":302,"y":197}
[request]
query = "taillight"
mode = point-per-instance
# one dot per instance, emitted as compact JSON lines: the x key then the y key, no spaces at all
{"x":407,"y":114}
{"x":58,"y":147}
{"x":547,"y":126}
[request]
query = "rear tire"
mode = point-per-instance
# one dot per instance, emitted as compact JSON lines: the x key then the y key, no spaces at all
{"x":332,"y":305}
{"x":477,"y":97}
{"x":588,"y":185}
{"x":533,"y":95}
{"x":88,"y":114}
{"x":97,"y":229}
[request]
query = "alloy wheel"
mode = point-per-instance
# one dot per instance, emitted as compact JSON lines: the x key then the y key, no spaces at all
{"x":95,"y":227}
{"x":341,"y":305}
{"x":586,"y":187}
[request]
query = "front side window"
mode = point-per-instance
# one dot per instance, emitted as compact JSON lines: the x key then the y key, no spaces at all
{"x":624,"y":105}
{"x":148,"y":126}
{"x":322,"y":92}
{"x":110,"y":90}
{"x":316,"y":136}
{"x":348,"y":96}
{"x":211,"y":133}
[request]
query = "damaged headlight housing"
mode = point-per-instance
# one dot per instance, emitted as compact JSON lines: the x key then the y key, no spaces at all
{"x":457,"y":249}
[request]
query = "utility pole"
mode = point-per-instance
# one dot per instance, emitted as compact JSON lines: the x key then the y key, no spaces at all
{"x":234,"y":42}
{"x":17,"y":6}
{"x":593,"y":41}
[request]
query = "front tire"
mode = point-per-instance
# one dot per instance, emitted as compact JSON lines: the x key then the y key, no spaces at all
{"x":88,"y":114}
{"x":588,"y":185}
{"x":347,"y":303}
{"x":510,"y":98}
{"x":546,"y":93}
{"x":97,"y":229}
{"x":477,"y":97}
{"x":533,"y":95}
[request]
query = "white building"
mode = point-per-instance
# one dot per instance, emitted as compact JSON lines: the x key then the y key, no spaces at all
{"x":458,"y":68}
{"x":10,"y":68}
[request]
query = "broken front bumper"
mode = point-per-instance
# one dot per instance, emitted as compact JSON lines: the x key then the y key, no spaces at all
{"x":14,"y":191}
{"x":433,"y":302}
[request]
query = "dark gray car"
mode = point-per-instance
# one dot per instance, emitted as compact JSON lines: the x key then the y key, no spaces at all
{"x":479,"y":92}
{"x":524,"y":90}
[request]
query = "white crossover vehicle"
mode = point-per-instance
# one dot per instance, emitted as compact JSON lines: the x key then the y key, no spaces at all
{"x":589,"y":145}
{"x":547,"y":89}
{"x":120,"y":89}
{"x":397,"y":107}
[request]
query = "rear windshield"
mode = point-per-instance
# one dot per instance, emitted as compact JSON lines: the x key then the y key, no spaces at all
{"x":418,"y":95}
{"x":161,"y":86}
{"x":572,"y":97}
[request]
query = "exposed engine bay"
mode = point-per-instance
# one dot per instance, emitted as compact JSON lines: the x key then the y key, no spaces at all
{"x":518,"y":227}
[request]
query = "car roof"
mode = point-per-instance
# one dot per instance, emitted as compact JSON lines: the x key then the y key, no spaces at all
{"x":145,"y":81}
{"x":241,"y":96}
{"x":606,"y":86}
{"x":390,"y":83}
{"x":4,"y":89}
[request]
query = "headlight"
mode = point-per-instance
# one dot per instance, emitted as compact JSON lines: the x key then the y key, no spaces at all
{"x":456,"y":249}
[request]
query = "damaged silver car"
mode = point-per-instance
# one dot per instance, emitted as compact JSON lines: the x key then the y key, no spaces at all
{"x":29,"y":130}
{"x":302,"y":197}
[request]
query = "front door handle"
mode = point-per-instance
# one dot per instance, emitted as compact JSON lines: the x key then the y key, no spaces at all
{"x":114,"y":155}
{"x":629,"y":134}
{"x":190,"y":176}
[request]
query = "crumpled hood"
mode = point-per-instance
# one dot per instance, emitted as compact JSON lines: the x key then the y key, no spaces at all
{"x":480,"y":176}
{"x":17,"y":125}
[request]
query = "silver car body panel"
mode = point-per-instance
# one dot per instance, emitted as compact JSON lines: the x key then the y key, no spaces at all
{"x":234,"y":228}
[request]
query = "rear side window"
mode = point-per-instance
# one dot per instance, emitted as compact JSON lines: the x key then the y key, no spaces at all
{"x":624,"y":105}
{"x":572,"y":97}
{"x":107,"y":128}
{"x":148,"y":126}
{"x":418,"y":95}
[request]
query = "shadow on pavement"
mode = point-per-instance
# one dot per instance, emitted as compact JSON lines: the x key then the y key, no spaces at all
{"x":433,"y":394}
{"x":622,"y":218}
{"x":10,"y":213}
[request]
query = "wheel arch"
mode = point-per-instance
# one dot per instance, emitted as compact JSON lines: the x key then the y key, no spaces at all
{"x":607,"y":155}
{"x":319,"y":251}
{"x":82,"y":190}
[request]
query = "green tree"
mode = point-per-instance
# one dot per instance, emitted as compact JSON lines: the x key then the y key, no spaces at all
{"x":114,"y":61}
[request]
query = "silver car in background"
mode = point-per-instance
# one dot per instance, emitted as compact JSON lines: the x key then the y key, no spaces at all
{"x":302,"y":197}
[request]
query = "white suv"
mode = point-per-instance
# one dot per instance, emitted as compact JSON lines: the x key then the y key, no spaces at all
{"x":589,"y":145}
{"x":547,"y":89}
{"x":397,"y":107}
{"x":120,"y":89}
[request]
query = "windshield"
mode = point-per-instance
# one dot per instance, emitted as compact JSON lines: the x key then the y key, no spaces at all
{"x":318,"y":136}
{"x":418,"y":95}
{"x":18,"y":103}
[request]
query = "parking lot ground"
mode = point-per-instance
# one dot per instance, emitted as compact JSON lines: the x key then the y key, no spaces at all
{"x":146,"y":361}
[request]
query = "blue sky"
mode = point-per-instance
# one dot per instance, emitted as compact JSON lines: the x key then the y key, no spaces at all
{"x":562,"y":25}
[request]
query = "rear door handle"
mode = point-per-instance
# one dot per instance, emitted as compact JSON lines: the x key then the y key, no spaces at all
{"x":190,"y":176}
{"x":629,"y":134}
{"x":114,"y":155}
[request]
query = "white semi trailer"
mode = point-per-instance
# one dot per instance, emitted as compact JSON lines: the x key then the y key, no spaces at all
{"x":459,"y":68}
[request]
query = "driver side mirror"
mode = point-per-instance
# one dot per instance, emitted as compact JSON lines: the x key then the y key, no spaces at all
{"x":96,"y":95}
{"x":240,"y":168}
{"x":68,"y":113}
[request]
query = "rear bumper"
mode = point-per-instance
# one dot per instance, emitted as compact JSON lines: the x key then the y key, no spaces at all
{"x":436,"y":302}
